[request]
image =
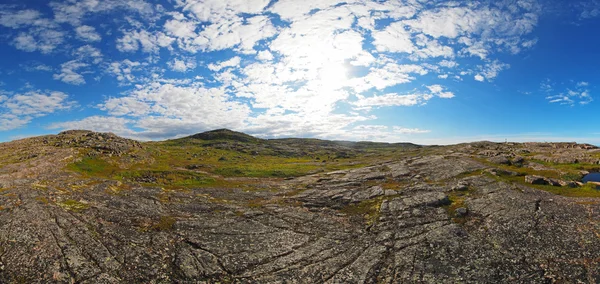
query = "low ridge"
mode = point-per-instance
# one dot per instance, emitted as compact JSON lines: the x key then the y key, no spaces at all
{"x":225,"y":134}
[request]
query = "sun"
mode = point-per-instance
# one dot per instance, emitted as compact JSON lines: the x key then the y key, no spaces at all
{"x":333,"y":76}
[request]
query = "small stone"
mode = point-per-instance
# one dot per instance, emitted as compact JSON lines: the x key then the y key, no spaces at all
{"x":461,"y":212}
{"x":460,"y":187}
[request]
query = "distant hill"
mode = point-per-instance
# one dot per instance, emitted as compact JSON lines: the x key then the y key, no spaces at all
{"x":350,"y":144}
{"x":225,"y":134}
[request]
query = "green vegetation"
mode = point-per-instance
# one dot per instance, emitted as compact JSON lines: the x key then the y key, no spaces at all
{"x":73,"y":205}
{"x":213,"y":161}
{"x":457,"y":200}
{"x":165,"y":223}
{"x":93,"y":166}
{"x":368,"y":209}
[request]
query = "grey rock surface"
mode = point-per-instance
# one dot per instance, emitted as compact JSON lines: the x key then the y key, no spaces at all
{"x":390,"y":222}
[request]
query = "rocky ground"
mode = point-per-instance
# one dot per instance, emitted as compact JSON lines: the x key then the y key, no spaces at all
{"x":457,"y":214}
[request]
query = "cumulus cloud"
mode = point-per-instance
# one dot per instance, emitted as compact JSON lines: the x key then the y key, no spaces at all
{"x":394,"y":38}
{"x":117,"y":125}
{"x":69,"y":72}
{"x":148,"y":41}
{"x":20,"y":109}
{"x":232,"y":62}
{"x":74,"y":12}
{"x":264,"y":55}
{"x":17,"y":19}
{"x":87,"y":33}
{"x":439,"y":91}
{"x":38,"y":39}
{"x":176,"y":109}
{"x":123,"y":70}
{"x":182,"y":65}
{"x":88,"y":53}
{"x":492,"y":69}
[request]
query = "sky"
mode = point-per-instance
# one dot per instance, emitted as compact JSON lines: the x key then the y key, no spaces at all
{"x":427,"y":72}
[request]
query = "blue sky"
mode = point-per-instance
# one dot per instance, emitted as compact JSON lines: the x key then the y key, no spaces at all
{"x":429,"y":72}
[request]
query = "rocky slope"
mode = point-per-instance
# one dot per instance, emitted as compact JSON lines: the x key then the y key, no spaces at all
{"x":74,"y":210}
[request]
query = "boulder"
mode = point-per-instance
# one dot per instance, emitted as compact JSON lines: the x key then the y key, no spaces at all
{"x":537,"y":180}
{"x":499,"y":172}
{"x":433,"y":199}
{"x":501,"y":160}
{"x":518,"y":161}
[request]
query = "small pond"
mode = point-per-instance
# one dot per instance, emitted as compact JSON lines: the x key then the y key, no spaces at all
{"x":591,"y":177}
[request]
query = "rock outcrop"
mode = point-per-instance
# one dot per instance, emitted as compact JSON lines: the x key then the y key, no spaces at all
{"x":431,"y":215}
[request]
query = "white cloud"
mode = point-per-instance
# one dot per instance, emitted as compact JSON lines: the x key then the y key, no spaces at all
{"x":438,"y":90}
{"x":388,"y":75}
{"x":181,"y":29}
{"x":448,"y":64}
{"x":117,"y":125}
{"x":292,"y":64}
{"x":579,"y":93}
{"x":220,"y":10}
{"x":241,"y":34}
{"x":38,"y":39}
{"x":404,"y":130}
{"x":491,"y":70}
{"x":74,"y":12}
{"x":87,"y":33}
{"x":123,"y":70}
{"x":264,"y":55}
{"x":174,"y":109}
{"x":481,"y":28}
{"x":232,"y":62}
{"x":149,"y":42}
{"x":18,"y":19}
{"x":69,"y":72}
{"x":35,"y":66}
{"x":394,"y":38}
{"x":88,"y":53}
{"x":583,"y":84}
{"x":20,"y":109}
{"x":182,"y":65}
{"x":389,"y":100}
{"x":25,"y":42}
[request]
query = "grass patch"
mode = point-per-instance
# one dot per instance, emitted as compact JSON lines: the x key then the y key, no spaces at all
{"x":93,"y":166}
{"x":73,"y":205}
{"x":164,"y":224}
{"x":42,"y":199}
{"x":467,"y":174}
{"x":457,"y":200}
{"x":368,"y":209}
{"x":167,"y":178}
